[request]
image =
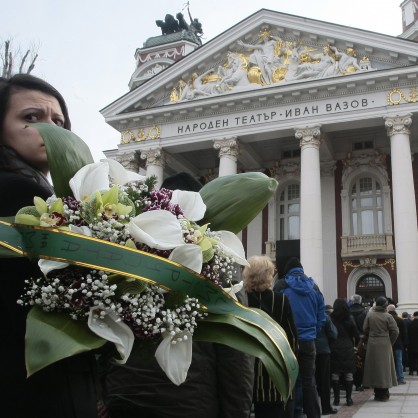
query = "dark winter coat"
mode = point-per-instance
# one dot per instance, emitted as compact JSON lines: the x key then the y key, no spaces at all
{"x":342,"y":348}
{"x":278,"y":307}
{"x":379,"y":367}
{"x":413,"y":335}
{"x":328,"y":332}
{"x":359,"y":314}
{"x":402,"y":337}
{"x":306,"y":300}
{"x":219,"y":384}
{"x":65,"y":389}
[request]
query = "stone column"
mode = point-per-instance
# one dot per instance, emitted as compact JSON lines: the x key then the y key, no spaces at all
{"x":311,"y":251}
{"x":228,"y":155}
{"x":130,"y":161}
{"x":404,"y":212}
{"x":155,"y":163}
{"x":329,"y":230}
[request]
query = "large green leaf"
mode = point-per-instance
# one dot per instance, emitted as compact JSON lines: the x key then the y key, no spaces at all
{"x":51,"y":337}
{"x":67,"y":153}
{"x":233,"y":201}
{"x":245,"y":337}
{"x":4,"y":251}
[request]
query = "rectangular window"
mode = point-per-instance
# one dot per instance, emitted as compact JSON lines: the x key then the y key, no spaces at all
{"x":380,"y":221}
{"x":367,"y":224}
{"x":294,"y":232}
{"x":355,"y":229}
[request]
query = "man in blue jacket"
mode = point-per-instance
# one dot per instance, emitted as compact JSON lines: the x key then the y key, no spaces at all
{"x":308,"y":309}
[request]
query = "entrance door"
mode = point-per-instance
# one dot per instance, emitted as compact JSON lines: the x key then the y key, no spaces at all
{"x":369,"y":287}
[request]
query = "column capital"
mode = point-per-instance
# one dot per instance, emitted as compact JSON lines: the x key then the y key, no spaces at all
{"x":129,"y":160}
{"x":227,"y":146}
{"x":328,"y":168}
{"x":398,"y":124}
{"x":153,"y":157}
{"x":309,"y":136}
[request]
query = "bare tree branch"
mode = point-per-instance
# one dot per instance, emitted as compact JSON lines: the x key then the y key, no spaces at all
{"x":22,"y":62}
{"x":11,"y":57}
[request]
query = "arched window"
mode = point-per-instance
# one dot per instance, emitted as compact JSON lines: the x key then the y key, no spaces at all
{"x":369,"y":287}
{"x":289,"y":212}
{"x":366,"y":207}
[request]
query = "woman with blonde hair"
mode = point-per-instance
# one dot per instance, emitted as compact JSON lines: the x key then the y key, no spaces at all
{"x":258,"y":283}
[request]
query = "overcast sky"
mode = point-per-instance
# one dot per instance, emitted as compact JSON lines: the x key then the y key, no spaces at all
{"x":86,"y":47}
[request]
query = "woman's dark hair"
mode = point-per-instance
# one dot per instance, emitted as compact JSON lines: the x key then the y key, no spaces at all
{"x":341,"y":309}
{"x":27,"y":82}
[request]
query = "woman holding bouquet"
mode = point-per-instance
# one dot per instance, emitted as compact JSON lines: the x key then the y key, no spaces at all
{"x":65,"y":389}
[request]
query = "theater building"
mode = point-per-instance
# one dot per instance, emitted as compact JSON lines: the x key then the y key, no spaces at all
{"x":330,"y":111}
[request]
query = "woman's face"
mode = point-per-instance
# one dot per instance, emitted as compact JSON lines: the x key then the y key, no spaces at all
{"x":26,"y":107}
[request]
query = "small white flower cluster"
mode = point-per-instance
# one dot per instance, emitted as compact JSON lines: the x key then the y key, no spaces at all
{"x":111,"y":230}
{"x":71,"y":293}
{"x":146,"y":314}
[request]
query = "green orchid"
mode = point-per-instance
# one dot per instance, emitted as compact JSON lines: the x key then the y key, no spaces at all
{"x":107,"y":203}
{"x":41,"y":214}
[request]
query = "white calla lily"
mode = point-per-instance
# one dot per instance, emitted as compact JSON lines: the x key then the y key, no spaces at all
{"x":234,"y":289}
{"x":232,"y":247}
{"x":47,"y":266}
{"x":113,"y":329}
{"x":158,"y":229}
{"x":189,"y":255}
{"x":191,"y":204}
{"x":90,"y":179}
{"x":175,"y":359}
{"x":82,"y":230}
{"x":120,"y":175}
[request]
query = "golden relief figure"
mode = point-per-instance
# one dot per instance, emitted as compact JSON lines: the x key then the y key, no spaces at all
{"x":270,"y":60}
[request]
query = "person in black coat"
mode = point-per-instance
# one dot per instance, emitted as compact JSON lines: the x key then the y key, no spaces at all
{"x":342,"y":350}
{"x":359,"y":314}
{"x":67,"y":388}
{"x":323,"y":363}
{"x":397,"y":347}
{"x":258,"y":283}
{"x":413,"y":345}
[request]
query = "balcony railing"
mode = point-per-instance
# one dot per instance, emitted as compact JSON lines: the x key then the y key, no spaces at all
{"x":378,"y":245}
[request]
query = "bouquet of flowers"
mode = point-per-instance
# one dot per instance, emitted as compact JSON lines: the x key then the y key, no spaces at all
{"x":166,"y":274}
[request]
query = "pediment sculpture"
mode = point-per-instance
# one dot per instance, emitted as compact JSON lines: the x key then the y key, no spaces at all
{"x":270,"y":61}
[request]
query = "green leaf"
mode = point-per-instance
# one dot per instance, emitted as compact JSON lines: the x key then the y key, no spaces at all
{"x":51,"y":337}
{"x":67,"y":153}
{"x":233,"y":201}
{"x":235,"y":333}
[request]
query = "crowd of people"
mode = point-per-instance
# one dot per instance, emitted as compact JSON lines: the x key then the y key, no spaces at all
{"x":222,"y":382}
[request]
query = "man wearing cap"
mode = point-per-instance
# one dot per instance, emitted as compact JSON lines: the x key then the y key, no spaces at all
{"x":308,"y":309}
{"x":413,"y":345}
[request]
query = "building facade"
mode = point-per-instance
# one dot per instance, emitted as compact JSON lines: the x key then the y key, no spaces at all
{"x":330,"y":111}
